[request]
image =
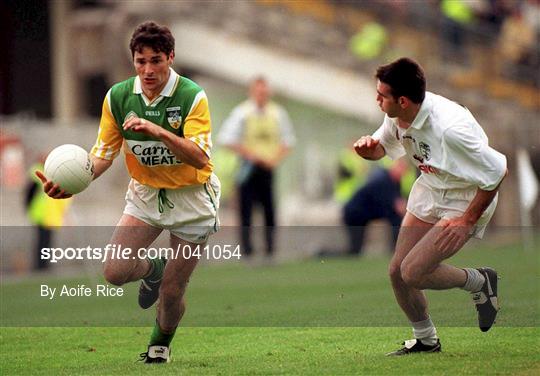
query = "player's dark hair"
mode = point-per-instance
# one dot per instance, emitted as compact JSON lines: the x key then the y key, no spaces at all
{"x":405,"y":78}
{"x":150,"y":34}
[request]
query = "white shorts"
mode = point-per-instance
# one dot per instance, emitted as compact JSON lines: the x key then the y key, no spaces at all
{"x":431,"y":205}
{"x":190,"y":213}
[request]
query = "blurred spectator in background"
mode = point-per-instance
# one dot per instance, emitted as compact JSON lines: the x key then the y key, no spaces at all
{"x":260,"y":132}
{"x":457,"y":15}
{"x":381,"y":197}
{"x":531,"y":12}
{"x":44,"y":212}
{"x":517,"y":47}
{"x":493,"y":13}
{"x":352,"y":172}
{"x":369,"y":42}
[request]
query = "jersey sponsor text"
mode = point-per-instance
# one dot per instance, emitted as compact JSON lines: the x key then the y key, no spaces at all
{"x":152,"y":153}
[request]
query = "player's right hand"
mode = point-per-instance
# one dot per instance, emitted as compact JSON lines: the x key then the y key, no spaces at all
{"x":51,"y":189}
{"x":366,"y":146}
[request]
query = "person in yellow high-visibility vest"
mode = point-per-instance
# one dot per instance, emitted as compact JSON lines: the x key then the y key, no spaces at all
{"x":352,"y":172}
{"x":369,"y":42}
{"x":457,"y":16}
{"x":45,"y":213}
{"x":260,"y":132}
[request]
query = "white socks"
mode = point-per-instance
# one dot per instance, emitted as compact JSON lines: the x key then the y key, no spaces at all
{"x":425,"y":331}
{"x":475,"y":280}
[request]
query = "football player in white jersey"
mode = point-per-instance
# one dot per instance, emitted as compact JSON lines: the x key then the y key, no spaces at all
{"x":452,"y":200}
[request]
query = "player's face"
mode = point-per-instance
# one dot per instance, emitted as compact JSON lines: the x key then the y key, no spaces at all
{"x":260,"y":92}
{"x":386,"y":101}
{"x":153,"y":69}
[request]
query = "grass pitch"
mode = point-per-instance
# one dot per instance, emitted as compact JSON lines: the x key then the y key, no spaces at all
{"x":258,"y":351}
{"x":311,"y":317}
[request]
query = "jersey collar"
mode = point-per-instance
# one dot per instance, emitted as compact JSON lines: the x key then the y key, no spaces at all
{"x":167,"y":91}
{"x":423,"y":113}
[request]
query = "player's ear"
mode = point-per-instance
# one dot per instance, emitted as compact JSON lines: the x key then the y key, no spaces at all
{"x":403,"y":102}
{"x":171,"y":58}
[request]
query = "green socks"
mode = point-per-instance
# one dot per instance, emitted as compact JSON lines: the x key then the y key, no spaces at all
{"x":157,"y":266}
{"x":160,"y":338}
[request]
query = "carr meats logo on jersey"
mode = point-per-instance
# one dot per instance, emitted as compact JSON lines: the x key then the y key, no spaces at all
{"x":425,"y":150}
{"x":152,"y":153}
{"x":174,"y":116}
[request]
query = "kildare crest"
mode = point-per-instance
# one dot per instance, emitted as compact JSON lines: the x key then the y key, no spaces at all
{"x":425,"y":150}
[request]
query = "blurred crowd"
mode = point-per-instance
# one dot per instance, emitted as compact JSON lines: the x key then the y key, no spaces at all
{"x":511,"y":28}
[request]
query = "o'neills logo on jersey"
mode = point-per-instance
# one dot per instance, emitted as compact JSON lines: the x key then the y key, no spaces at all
{"x":174,"y":116}
{"x":152,"y":153}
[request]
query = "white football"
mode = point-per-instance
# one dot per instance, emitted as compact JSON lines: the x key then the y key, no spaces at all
{"x":70,"y":167}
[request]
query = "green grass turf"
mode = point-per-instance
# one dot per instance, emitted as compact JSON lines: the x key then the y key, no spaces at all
{"x":330,"y":317}
{"x":248,"y":351}
{"x":344,"y":292}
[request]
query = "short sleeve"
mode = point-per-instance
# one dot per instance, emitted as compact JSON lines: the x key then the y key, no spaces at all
{"x":231,"y":129}
{"x":468,"y":155}
{"x":388,"y":138}
{"x":287,"y":133}
{"x":109,"y":139}
{"x":197,"y":126}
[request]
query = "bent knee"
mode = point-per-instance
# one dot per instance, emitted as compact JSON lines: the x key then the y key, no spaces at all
{"x":114,"y":276}
{"x":411,"y":275}
{"x":394,"y":271}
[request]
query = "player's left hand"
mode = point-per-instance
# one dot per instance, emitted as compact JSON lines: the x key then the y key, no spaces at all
{"x":454,"y":234}
{"x":137,"y":124}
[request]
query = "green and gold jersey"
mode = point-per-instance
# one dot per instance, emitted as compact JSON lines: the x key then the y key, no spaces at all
{"x":181,"y":108}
